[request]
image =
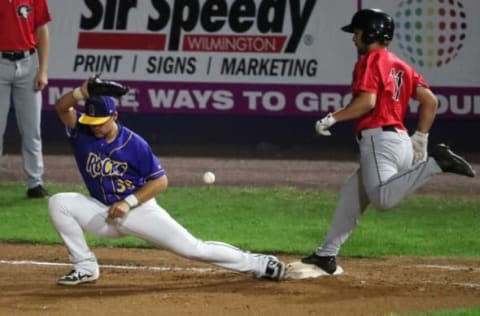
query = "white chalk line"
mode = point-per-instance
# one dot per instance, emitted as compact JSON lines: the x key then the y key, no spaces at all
{"x":460,"y":284}
{"x":446,"y":267}
{"x":210,"y":270}
{"x":450,"y":268}
{"x":111,"y":266}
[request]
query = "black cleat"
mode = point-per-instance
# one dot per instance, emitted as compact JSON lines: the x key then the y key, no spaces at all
{"x":451,"y":162}
{"x":326,"y":263}
{"x":37,"y":192}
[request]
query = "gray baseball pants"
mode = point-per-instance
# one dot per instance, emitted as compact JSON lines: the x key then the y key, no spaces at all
{"x":17,"y":84}
{"x":385,"y":177}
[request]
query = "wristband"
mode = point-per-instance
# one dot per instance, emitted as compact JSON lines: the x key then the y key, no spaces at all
{"x":78,"y":94}
{"x":131,"y":200}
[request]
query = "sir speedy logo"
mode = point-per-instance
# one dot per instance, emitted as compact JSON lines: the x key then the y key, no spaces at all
{"x":196,"y":26}
{"x":98,"y":167}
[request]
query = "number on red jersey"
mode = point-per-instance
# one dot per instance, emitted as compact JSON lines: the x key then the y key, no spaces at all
{"x":397,"y":83}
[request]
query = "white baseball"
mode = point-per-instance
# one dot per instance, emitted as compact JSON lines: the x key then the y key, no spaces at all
{"x":209,"y":177}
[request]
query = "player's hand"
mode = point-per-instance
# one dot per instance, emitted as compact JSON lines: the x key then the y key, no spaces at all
{"x":41,"y":80}
{"x":118,"y":209}
{"x":419,"y":144}
{"x":323,"y":125}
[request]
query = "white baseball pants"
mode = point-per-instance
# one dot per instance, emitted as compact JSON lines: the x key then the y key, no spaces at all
{"x":74,"y":213}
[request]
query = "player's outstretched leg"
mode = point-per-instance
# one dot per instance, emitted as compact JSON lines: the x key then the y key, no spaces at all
{"x":152,"y":223}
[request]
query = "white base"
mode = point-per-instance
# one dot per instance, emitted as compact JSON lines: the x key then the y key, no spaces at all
{"x":298,"y":270}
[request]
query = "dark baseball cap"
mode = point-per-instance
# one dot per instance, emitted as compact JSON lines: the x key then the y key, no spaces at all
{"x":368,"y":19}
{"x":98,"y":110}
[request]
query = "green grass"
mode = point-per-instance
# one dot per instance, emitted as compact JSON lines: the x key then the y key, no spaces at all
{"x":474,"y":311}
{"x":276,"y":220}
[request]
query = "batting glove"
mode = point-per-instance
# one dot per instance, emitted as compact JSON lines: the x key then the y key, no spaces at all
{"x":419,"y":144}
{"x":323,"y":125}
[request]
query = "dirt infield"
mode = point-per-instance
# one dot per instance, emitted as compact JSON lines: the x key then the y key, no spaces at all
{"x":182,"y":287}
{"x":155,"y":282}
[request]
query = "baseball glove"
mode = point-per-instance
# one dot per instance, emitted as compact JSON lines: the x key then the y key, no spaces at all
{"x":99,"y":87}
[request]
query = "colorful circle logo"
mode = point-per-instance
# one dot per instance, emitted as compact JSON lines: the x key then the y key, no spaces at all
{"x":430,"y":32}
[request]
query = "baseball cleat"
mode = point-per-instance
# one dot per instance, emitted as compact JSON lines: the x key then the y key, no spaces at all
{"x":275,"y":269}
{"x":37,"y":192}
{"x":76,"y":277}
{"x":451,"y":162}
{"x":326,"y":263}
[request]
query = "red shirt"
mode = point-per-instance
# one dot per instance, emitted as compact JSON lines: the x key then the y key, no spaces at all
{"x":18,"y":21}
{"x":392,"y":80}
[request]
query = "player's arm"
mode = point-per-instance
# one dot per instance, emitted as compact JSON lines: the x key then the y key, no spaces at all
{"x":361,"y":104}
{"x":65,"y":106}
{"x":428,"y":108}
{"x":43,"y":44}
{"x":151,"y":189}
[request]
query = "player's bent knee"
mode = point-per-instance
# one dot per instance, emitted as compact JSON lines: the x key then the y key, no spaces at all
{"x":381,"y":200}
{"x":56,"y":203}
{"x":382,"y":206}
{"x":54,"y":207}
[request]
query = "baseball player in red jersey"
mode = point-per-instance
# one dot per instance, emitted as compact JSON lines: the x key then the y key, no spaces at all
{"x":123,"y":177}
{"x":24,"y":45}
{"x":392,"y":164}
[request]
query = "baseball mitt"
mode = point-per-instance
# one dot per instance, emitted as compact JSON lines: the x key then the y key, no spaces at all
{"x":99,"y":87}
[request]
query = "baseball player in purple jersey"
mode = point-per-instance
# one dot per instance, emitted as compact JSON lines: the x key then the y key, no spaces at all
{"x":123,"y":177}
{"x":392,"y":164}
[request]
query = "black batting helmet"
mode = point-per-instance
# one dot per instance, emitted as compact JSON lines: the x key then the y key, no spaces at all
{"x":377,"y":26}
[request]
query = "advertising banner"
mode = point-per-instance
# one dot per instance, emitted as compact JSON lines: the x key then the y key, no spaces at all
{"x":254,"y":57}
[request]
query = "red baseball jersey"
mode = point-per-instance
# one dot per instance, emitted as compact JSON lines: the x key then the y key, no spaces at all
{"x":392,"y":80}
{"x":18,"y":21}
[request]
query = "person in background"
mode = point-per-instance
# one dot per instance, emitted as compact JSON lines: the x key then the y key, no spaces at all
{"x":24,"y":49}
{"x":392,"y":164}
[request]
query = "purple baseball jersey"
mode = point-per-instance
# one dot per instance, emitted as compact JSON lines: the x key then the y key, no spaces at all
{"x":111,"y":171}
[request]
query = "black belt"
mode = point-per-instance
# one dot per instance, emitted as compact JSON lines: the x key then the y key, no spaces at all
{"x":17,"y":55}
{"x":386,"y":128}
